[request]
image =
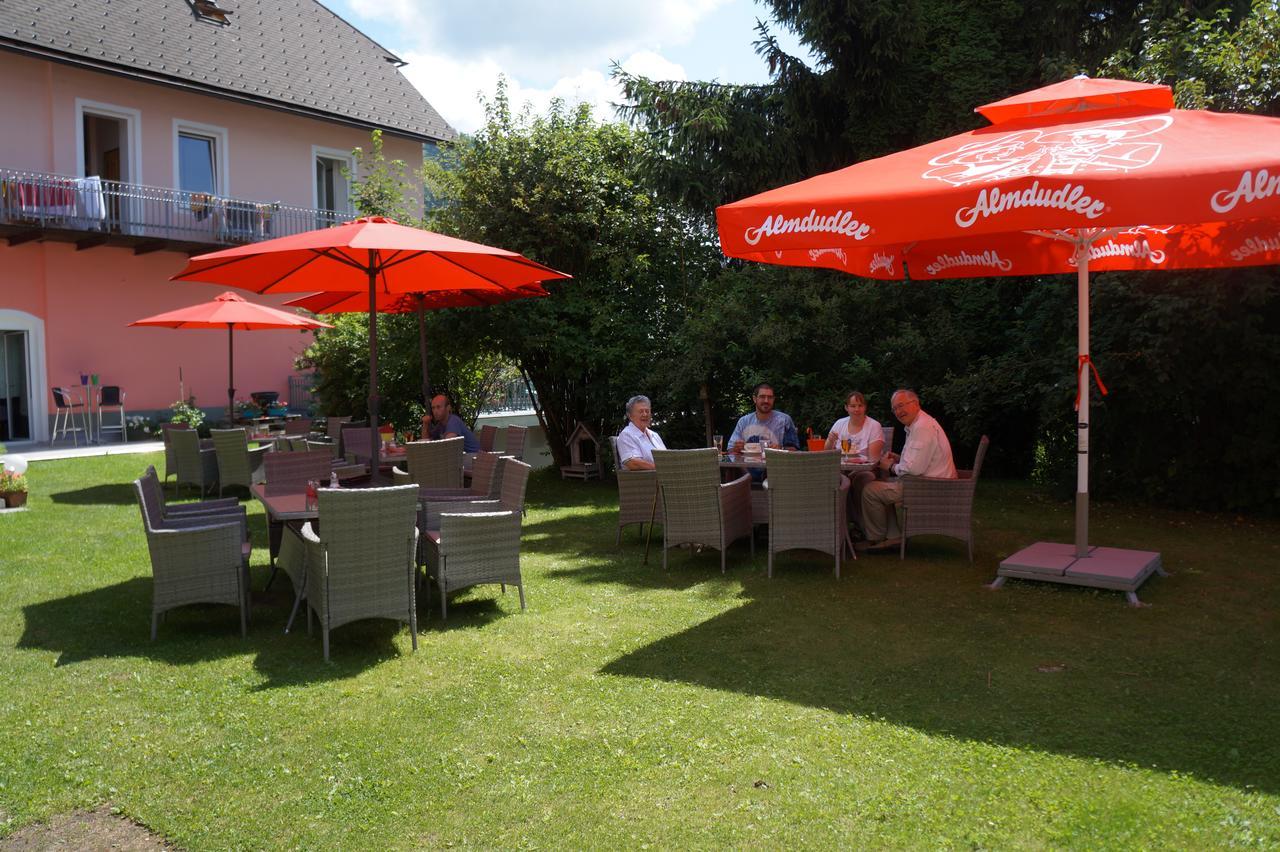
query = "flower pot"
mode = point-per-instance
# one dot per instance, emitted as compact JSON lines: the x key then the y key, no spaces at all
{"x":14,"y":499}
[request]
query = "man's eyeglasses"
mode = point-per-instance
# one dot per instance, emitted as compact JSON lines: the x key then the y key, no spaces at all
{"x":902,"y":405}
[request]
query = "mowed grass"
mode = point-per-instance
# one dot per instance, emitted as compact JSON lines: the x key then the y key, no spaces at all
{"x":904,"y":705}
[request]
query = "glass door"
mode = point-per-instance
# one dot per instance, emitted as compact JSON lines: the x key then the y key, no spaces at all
{"x":15,"y":417}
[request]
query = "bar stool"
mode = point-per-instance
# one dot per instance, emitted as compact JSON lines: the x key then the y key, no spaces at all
{"x":110,"y":396}
{"x":66,"y":403}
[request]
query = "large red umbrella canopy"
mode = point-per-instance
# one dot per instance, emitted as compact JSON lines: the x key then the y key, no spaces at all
{"x":373,"y":255}
{"x":1101,"y":174}
{"x":233,"y":313}
{"x":419,"y":303}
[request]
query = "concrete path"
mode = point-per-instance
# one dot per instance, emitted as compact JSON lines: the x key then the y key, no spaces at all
{"x":43,"y":452}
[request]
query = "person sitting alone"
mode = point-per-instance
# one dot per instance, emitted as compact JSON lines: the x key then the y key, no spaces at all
{"x":637,"y":441}
{"x":927,"y":452}
{"x":446,"y":424}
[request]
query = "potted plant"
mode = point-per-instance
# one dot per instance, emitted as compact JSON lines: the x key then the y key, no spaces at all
{"x":185,"y":411}
{"x":13,"y":487}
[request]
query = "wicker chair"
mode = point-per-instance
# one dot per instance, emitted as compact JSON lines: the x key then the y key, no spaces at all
{"x":637,"y":495}
{"x":323,"y":447}
{"x":333,"y":427}
{"x":199,"y":559}
{"x":288,"y":473}
{"x":516,"y":438}
{"x":807,"y":497}
{"x":513,"y":485}
{"x":486,"y":481}
{"x":696,"y":507}
{"x":355,"y":444}
{"x":473,"y":548}
{"x":343,"y":441}
{"x":488,"y":437}
{"x":298,"y":427}
{"x":432,"y":464}
{"x":237,"y":464}
{"x":361,"y":565}
{"x":195,"y":463}
{"x":941,"y":506}
{"x":154,"y":492}
{"x":170,"y":460}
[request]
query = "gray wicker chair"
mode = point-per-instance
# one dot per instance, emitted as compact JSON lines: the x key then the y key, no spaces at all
{"x":198,"y":559}
{"x":807,"y":497}
{"x":486,"y":481}
{"x":637,"y":495}
{"x":329,"y":447}
{"x":170,"y":459}
{"x":288,"y":473}
{"x":515,"y":442}
{"x":488,"y":437}
{"x":471,"y":549}
{"x":354,"y":446}
{"x":333,"y":427}
{"x":195,"y":464}
{"x":696,"y":508}
{"x":237,"y":464}
{"x":432,"y":464}
{"x":154,"y":493}
{"x":941,"y":506}
{"x":513,"y":485}
{"x":361,"y":565}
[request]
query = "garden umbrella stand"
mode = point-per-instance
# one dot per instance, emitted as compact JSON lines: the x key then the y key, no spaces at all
{"x":233,"y":313}
{"x":1101,"y":174}
{"x":374,"y":255}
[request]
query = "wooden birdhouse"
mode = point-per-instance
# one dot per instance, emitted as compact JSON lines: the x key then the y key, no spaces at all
{"x":584,"y":455}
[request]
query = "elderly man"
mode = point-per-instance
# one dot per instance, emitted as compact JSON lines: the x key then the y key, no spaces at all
{"x":927,"y":452}
{"x":446,"y":424}
{"x":764,"y":425}
{"x":637,"y":441}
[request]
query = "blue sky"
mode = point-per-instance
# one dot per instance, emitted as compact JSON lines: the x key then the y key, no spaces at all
{"x":561,"y":49}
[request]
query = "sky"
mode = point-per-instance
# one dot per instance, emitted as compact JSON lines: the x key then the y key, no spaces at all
{"x":456,"y":50}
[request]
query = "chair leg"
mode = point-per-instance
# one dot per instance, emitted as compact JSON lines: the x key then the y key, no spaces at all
{"x":325,"y":640}
{"x":155,"y":621}
{"x":617,"y":539}
{"x":444,"y":602}
{"x":521,"y":589}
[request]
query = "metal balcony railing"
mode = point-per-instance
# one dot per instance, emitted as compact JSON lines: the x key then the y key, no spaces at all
{"x":92,"y":205}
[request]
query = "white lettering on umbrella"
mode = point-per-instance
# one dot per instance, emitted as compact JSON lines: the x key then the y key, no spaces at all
{"x":814,"y":254}
{"x":1251,"y":188}
{"x":881,"y":261}
{"x":994,"y":201}
{"x":1139,"y":250}
{"x":840,"y":222}
{"x":1107,"y":146}
{"x":989,"y":258}
{"x":1256,"y":245}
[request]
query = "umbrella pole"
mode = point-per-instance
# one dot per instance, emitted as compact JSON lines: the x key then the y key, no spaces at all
{"x":422,"y":351}
{"x":231,"y":375}
{"x":1082,"y":389}
{"x":373,"y":366}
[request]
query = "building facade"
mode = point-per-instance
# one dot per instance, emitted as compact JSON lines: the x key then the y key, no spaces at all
{"x":137,"y":133}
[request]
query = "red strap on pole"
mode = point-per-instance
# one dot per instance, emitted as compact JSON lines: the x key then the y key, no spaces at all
{"x":1086,"y":361}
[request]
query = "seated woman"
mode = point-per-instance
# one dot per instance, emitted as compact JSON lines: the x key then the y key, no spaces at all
{"x":866,"y":438}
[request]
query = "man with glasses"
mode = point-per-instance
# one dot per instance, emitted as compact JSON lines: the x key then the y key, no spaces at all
{"x":927,"y":452}
{"x":764,"y":426}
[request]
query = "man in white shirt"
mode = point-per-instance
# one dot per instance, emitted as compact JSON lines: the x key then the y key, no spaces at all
{"x":637,"y":441}
{"x":927,"y":452}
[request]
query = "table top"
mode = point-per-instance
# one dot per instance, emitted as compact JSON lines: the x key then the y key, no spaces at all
{"x":755,"y":462}
{"x":288,"y":506}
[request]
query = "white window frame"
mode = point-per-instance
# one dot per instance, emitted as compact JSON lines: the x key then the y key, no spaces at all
{"x":221,"y":153}
{"x":37,"y":375}
{"x":133,"y":133}
{"x":347,"y":159}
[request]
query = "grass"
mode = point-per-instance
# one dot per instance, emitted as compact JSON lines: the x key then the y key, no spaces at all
{"x":901,"y":706}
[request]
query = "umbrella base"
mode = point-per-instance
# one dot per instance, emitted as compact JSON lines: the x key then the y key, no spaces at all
{"x":1104,"y":568}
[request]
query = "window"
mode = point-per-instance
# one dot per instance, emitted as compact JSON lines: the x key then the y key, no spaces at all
{"x":332,"y":187}
{"x":197,"y":163}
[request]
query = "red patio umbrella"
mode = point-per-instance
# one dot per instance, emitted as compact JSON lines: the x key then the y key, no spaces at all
{"x":419,"y":303}
{"x":375,"y":255}
{"x":1101,"y":174}
{"x":233,"y":313}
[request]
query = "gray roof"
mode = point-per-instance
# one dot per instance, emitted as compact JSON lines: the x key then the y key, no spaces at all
{"x":294,"y":55}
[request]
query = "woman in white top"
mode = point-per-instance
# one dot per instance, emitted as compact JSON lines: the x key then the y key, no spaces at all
{"x":866,"y":437}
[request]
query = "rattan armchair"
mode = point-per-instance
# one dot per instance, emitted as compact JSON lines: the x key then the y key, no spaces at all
{"x":807,"y":497}
{"x":488,"y":437}
{"x":361,"y":564}
{"x":355,"y":446}
{"x":637,"y":495}
{"x":514,"y":483}
{"x":515,"y":442}
{"x":153,"y":491}
{"x":288,"y":473}
{"x":432,"y":464}
{"x":237,"y":464}
{"x":941,"y":506}
{"x":195,"y":463}
{"x":696,"y":508}
{"x":486,"y":481}
{"x":170,"y":456}
{"x":197,"y":559}
{"x":471,"y":549}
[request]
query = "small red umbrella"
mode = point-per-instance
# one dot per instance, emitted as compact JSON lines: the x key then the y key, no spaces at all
{"x":374,"y":255}
{"x":1101,"y":174}
{"x":233,"y":313}
{"x":419,"y":303}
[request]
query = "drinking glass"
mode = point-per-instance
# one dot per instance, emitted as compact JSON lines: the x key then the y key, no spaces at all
{"x":717,"y":441}
{"x":846,"y":445}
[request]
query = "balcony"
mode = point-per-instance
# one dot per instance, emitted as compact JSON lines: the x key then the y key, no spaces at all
{"x":93,"y":212}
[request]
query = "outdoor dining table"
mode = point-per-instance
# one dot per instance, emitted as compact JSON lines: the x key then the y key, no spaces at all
{"x":749,"y":461}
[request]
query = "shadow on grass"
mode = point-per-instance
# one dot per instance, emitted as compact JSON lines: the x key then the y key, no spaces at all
{"x":119,"y":494}
{"x":925,"y":646}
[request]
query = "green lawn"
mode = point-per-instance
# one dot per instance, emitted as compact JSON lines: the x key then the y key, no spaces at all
{"x":903,"y":705}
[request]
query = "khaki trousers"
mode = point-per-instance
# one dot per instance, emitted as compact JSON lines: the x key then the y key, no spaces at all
{"x":879,"y":510}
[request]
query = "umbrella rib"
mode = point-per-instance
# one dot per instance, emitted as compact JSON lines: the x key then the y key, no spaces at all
{"x":479,"y":275}
{"x":396,"y":260}
{"x":334,"y":254}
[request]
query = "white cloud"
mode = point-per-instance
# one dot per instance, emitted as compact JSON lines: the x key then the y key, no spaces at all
{"x":454,"y":87}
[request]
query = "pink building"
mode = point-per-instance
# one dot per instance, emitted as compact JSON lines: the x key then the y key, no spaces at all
{"x":139,"y":132}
